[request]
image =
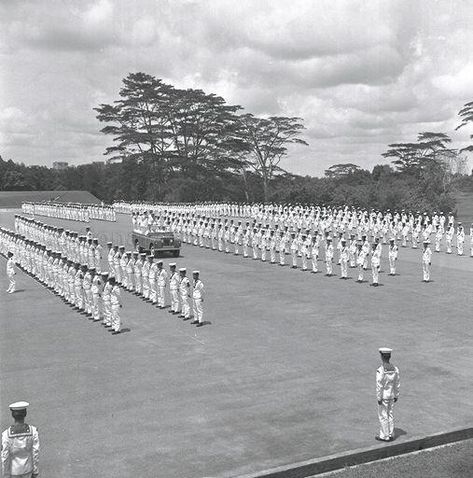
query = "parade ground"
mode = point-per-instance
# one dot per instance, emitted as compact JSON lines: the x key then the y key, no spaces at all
{"x":284,"y":370}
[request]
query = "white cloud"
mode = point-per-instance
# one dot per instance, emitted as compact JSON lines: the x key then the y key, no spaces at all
{"x":361,"y":74}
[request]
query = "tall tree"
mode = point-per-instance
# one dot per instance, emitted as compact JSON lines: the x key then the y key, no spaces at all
{"x":170,"y":129}
{"x":138,"y":121}
{"x":203,"y":128}
{"x":466,"y":115}
{"x":412,"y":158}
{"x":340,"y":170}
{"x":267,"y":140}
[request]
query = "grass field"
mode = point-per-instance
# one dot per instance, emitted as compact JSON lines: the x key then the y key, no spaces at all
{"x":284,"y":373}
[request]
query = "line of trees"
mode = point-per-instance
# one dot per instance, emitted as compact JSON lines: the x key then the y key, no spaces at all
{"x":186,"y":145}
{"x":190,"y":133}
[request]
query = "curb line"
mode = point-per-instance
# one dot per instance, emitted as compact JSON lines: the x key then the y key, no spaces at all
{"x":339,"y":461}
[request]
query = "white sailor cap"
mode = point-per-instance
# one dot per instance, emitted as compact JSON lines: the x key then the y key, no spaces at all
{"x":385,"y":350}
{"x":172,"y":264}
{"x":195,"y":272}
{"x":19,"y":406}
{"x":182,"y":269}
{"x":426,"y":242}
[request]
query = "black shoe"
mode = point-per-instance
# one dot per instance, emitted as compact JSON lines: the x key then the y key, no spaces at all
{"x":186,"y":318}
{"x":116,"y":332}
{"x":200,"y":324}
{"x":195,"y":322}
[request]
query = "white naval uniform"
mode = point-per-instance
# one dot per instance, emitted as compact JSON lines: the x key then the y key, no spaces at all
{"x":162,"y":276}
{"x":184,"y":290}
{"x":11,"y":275}
{"x":197,"y":299}
{"x":115,"y":308}
{"x":174,"y":282}
{"x":329,"y":258}
{"x":20,"y":452}
{"x":392,"y":254}
{"x":426,"y":260}
{"x":387,"y":389}
{"x":153,"y":292}
{"x":375,"y":263}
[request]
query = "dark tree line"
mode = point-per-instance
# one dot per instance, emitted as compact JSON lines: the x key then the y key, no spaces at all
{"x":186,"y":145}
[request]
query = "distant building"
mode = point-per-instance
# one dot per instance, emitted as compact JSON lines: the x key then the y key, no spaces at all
{"x":60,"y":165}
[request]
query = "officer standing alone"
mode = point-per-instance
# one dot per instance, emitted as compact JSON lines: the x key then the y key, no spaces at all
{"x":198,"y":299}
{"x":20,"y":446}
{"x":387,"y":394}
{"x":11,"y":273}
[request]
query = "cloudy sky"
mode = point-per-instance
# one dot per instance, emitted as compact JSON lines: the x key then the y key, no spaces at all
{"x":362,"y":73}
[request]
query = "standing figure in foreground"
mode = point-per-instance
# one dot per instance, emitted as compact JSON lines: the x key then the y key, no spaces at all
{"x":328,"y":256}
{"x":392,"y":254}
{"x":426,"y":261}
{"x":11,"y":273}
{"x":115,"y":302}
{"x":387,"y":394}
{"x":20,"y":445}
{"x":184,"y":288}
{"x":197,"y":299}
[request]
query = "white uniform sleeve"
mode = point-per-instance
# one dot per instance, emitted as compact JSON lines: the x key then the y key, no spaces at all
{"x":379,"y":385}
{"x":397,"y":384}
{"x":6,"y":459}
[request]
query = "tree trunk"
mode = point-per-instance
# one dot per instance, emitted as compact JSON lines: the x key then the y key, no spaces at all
{"x":245,"y":183}
{"x":265,"y":187}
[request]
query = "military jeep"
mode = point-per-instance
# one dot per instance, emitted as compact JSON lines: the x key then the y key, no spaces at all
{"x":156,"y":243}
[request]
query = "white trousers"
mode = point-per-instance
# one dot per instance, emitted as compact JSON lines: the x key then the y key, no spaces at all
{"x":282,"y":257}
{"x":12,"y":286}
{"x":360,"y":272}
{"x":375,"y":274}
{"x":96,"y":306}
{"x":107,"y":312}
{"x":116,"y":319}
{"x":386,"y":419}
{"x":186,"y":310}
{"x":174,"y":300}
{"x":153,"y":294}
{"x":426,"y":270}
{"x":161,"y":289}
{"x":198,"y":310}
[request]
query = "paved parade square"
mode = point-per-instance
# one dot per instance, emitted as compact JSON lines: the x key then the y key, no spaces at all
{"x":284,"y":372}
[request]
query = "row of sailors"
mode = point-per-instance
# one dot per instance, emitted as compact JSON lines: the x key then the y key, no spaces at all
{"x":223,"y":233}
{"x":70,"y":211}
{"x":294,"y":215}
{"x":84,"y":249}
{"x":87,"y":251}
{"x":102,"y":213}
{"x":211,"y":209}
{"x":140,"y":274}
{"x":87,"y":290}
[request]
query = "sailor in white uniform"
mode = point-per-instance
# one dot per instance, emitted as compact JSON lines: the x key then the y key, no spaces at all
{"x":20,"y":446}
{"x":387,"y":394}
